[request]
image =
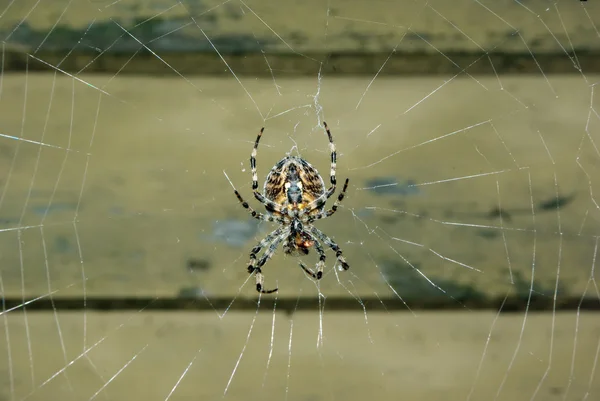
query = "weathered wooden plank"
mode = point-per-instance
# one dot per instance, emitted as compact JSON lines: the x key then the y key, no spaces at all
{"x":478,"y":192}
{"x":180,"y":355}
{"x":300,"y":37}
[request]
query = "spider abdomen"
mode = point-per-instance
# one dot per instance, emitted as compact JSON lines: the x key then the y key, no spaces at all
{"x":293,"y":182}
{"x":294,"y":192}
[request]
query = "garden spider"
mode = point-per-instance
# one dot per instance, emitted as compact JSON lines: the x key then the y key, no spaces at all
{"x":294,"y":196}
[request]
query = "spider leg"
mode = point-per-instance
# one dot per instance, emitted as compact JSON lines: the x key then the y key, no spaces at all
{"x":260,"y":197}
{"x":260,"y":281}
{"x":266,"y":256}
{"x":253,"y":160}
{"x":332,"y":245}
{"x":333,"y":158}
{"x":254,"y":213}
{"x":271,"y":249}
{"x":320,"y":263}
{"x":317,"y":203}
{"x":263,"y":243}
{"x":327,"y":213}
{"x":320,"y":201}
{"x":269,"y":203}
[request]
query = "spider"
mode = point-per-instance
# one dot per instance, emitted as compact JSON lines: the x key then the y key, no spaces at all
{"x":294,"y":196}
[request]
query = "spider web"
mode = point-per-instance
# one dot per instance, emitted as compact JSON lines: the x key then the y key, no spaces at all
{"x":471,"y":189}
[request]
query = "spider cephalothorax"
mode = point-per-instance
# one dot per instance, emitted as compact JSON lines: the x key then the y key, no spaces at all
{"x":294,"y":195}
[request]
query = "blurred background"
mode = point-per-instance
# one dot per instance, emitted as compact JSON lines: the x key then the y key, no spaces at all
{"x":469,"y":131}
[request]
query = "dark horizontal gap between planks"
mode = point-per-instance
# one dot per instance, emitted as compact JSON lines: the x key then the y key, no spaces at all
{"x":297,"y":304}
{"x":290,"y":64}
